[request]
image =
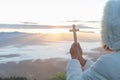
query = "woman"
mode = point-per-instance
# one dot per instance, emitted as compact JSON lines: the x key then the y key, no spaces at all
{"x":106,"y":67}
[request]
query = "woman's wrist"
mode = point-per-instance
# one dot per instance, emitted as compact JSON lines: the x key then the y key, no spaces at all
{"x":82,"y":61}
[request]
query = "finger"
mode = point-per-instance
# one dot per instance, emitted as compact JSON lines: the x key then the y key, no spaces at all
{"x":79,"y":46}
{"x":71,"y":49}
{"x":75,"y":45}
{"x":80,"y":49}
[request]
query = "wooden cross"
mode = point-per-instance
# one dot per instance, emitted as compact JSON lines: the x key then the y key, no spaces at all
{"x":74,"y":30}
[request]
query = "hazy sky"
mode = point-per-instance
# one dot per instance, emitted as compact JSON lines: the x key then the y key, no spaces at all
{"x":50,"y":11}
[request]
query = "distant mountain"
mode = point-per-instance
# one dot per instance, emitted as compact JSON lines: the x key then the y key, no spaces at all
{"x":36,"y":26}
{"x":29,"y":22}
{"x":23,"y":26}
{"x":82,"y":21}
{"x":74,"y":21}
{"x":93,"y":21}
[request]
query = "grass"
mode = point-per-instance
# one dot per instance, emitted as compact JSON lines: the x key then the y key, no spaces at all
{"x":58,"y":76}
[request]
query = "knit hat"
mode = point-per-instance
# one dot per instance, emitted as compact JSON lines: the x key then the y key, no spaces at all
{"x":111,"y":25}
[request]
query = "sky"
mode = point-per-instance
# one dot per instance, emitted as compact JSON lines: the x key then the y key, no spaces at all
{"x":50,"y":11}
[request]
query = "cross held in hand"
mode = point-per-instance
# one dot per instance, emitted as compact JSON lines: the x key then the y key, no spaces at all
{"x":74,"y":30}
